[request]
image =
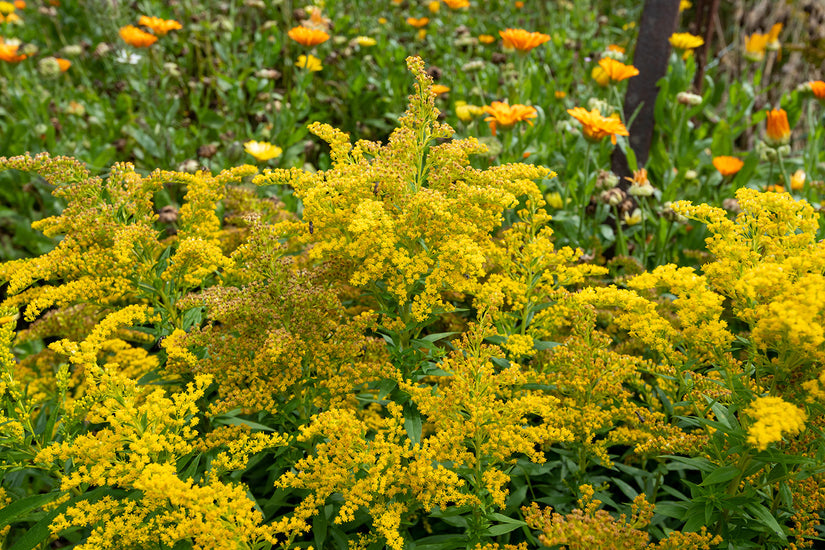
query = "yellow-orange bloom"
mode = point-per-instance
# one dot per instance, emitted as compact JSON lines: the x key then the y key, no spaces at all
{"x":8,"y":53}
{"x":136,"y":37}
{"x":755,"y":46}
{"x":798,"y":180}
{"x":595,"y":126}
{"x":685,"y":41}
{"x":727,"y":166}
{"x":262,"y":150}
{"x":773,"y":37}
{"x":505,"y":115}
{"x":522,"y":40}
{"x":486,"y":38}
{"x":600,"y":76}
{"x":20,"y":4}
{"x":64,"y":64}
{"x":308,"y":37}
{"x":159,"y":26}
{"x":456,"y":4}
{"x":778,"y":130}
{"x":818,"y":89}
{"x":439,"y":89}
{"x":616,"y":70}
{"x":418,"y":22}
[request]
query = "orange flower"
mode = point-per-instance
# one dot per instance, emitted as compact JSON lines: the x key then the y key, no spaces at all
{"x":522,"y":40}
{"x":505,"y":115}
{"x":8,"y":53}
{"x":20,"y":4}
{"x":486,"y":38}
{"x":616,"y":70}
{"x":136,"y":37}
{"x":439,"y":89}
{"x":419,"y":22}
{"x":818,"y":88}
{"x":159,"y":26}
{"x":727,"y":166}
{"x":616,"y":49}
{"x":308,"y":37}
{"x":778,"y":130}
{"x":456,"y":4}
{"x":64,"y":64}
{"x":596,"y":126}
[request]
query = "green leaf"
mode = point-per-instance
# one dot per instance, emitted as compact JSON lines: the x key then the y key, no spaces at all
{"x":17,"y":510}
{"x":502,"y":528}
{"x":765,"y":516}
{"x":412,"y":422}
{"x":227,"y":420}
{"x":721,"y":475}
{"x":438,"y":336}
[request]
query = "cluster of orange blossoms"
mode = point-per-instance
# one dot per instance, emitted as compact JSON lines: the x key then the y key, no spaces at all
{"x":141,"y":39}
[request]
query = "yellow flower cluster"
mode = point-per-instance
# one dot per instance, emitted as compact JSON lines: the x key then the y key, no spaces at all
{"x":773,"y":417}
{"x":588,"y":527}
{"x":411,"y":217}
{"x":769,"y":264}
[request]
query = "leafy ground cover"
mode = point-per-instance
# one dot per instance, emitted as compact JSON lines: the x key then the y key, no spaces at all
{"x":359,"y":274}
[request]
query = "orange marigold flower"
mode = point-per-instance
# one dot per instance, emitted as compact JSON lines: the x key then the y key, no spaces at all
{"x":486,"y":38}
{"x":595,"y":126}
{"x":522,"y":40}
{"x":727,"y":166}
{"x":64,"y":64}
{"x":418,"y":22}
{"x":505,"y":115}
{"x":8,"y":53}
{"x":308,"y":37}
{"x":616,"y":70}
{"x":818,"y":89}
{"x":439,"y":89}
{"x":20,"y":4}
{"x":778,"y":130}
{"x":615,"y":48}
{"x":159,"y":26}
{"x":456,"y":4}
{"x":136,"y":37}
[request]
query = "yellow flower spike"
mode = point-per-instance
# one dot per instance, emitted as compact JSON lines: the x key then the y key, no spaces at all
{"x":774,"y":418}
